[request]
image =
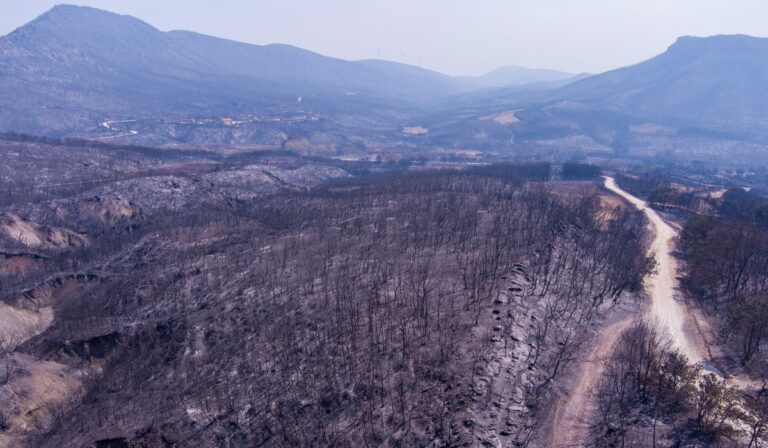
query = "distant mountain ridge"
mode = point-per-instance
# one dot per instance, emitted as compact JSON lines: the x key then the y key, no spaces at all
{"x":704,"y":99}
{"x":719,"y":80}
{"x":78,"y":64}
{"x":513,"y":75}
{"x":81,"y":72}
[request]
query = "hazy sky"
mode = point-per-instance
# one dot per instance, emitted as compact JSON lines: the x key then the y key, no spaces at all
{"x":452,"y":36}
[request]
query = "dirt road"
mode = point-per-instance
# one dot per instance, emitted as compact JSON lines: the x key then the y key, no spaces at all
{"x":573,"y":414}
{"x":662,"y":286}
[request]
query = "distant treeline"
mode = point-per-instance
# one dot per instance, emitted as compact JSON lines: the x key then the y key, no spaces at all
{"x":541,"y":171}
{"x":580,"y":171}
{"x":739,"y":204}
{"x":534,"y":171}
{"x":84,"y":143}
{"x":642,"y":185}
{"x":727,"y":257}
{"x":660,"y":192}
{"x":515,"y":174}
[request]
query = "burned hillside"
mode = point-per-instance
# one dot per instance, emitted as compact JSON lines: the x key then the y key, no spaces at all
{"x":373,"y":310}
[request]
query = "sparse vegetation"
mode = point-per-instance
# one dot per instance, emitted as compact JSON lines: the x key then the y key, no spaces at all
{"x":360,"y":312}
{"x":648,"y":380}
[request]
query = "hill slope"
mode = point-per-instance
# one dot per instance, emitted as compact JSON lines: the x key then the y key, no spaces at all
{"x":703,"y":99}
{"x":719,"y":79}
{"x":77,"y":66}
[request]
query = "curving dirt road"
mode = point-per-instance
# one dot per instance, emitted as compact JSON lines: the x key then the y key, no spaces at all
{"x":573,"y":414}
{"x":662,"y":285}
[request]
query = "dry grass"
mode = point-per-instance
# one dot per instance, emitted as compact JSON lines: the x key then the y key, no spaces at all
{"x":652,"y":129}
{"x":22,"y":231}
{"x":32,"y":235}
{"x":32,"y":389}
{"x":17,"y":325}
{"x":612,"y":202}
{"x":415,"y":130}
{"x":717,"y":194}
{"x":503,"y":118}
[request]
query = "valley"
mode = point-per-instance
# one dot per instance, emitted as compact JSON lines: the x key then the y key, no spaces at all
{"x":353,"y":108}
{"x":207,"y":242}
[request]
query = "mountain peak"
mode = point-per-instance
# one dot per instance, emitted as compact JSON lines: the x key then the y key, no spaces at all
{"x":80,"y":12}
{"x":720,"y":41}
{"x":716,"y":81}
{"x":107,"y":65}
{"x":69,"y":33}
{"x":66,"y":8}
{"x":68,"y":19}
